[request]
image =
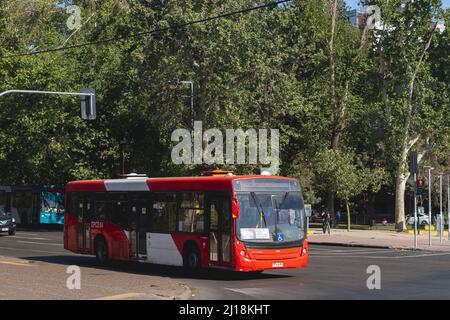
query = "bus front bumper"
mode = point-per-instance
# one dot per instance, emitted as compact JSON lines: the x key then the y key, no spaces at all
{"x":269,"y":259}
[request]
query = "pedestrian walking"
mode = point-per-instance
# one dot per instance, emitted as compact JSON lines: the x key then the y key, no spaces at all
{"x":326,"y":221}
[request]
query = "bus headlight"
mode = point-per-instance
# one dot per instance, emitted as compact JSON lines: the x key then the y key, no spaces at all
{"x":304,"y":251}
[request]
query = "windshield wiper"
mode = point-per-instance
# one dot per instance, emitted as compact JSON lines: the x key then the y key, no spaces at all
{"x":260,"y":209}
{"x":277,"y":210}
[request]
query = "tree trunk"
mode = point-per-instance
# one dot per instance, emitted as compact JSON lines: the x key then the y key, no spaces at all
{"x":400,"y":186}
{"x":348,"y":217}
{"x":330,"y":202}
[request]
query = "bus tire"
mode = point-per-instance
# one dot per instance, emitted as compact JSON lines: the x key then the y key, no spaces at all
{"x":101,"y":250}
{"x":12,"y":232}
{"x":191,"y":258}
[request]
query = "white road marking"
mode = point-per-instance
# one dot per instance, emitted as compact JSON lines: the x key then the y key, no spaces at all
{"x":249,"y":291}
{"x":22,"y":264}
{"x":349,"y":253}
{"x":44,"y":243}
{"x":30,"y":238}
{"x":121,"y":296}
{"x":34,"y":250}
{"x":363,"y":255}
{"x":352,"y":250}
{"x":420,"y":255}
{"x":27,"y":233}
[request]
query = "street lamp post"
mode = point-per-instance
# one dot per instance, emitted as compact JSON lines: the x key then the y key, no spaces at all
{"x":191,"y":85}
{"x":122,"y":143}
{"x":429,"y":168}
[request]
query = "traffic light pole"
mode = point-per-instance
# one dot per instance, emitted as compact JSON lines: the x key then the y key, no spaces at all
{"x":448,"y":205}
{"x":47,"y":92}
{"x":415,"y":210}
{"x":429,"y":204}
{"x":81,"y":94}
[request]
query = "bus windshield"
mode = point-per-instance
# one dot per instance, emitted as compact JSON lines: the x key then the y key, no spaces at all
{"x":270,"y":216}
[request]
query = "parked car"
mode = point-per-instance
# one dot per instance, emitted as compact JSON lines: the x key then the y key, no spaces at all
{"x":7,"y":223}
{"x":423,"y":219}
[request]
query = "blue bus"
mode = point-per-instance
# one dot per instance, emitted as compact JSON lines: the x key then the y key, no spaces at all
{"x":34,"y":204}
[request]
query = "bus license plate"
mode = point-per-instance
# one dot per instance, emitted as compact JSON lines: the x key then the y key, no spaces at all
{"x":277,"y":265}
{"x":5,"y":229}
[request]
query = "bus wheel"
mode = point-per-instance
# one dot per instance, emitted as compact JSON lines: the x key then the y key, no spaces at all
{"x":101,"y":251}
{"x":191,"y":259}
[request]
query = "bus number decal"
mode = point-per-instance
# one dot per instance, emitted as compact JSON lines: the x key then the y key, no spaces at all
{"x":97,"y":225}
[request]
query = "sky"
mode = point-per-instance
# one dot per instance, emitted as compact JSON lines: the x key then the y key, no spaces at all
{"x":354,"y":3}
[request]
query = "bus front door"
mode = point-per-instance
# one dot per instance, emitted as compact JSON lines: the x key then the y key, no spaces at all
{"x":219,"y":208}
{"x":142,"y":217}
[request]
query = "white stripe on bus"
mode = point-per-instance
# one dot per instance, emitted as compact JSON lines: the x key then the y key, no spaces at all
{"x":161,"y":249}
{"x":126,"y":185}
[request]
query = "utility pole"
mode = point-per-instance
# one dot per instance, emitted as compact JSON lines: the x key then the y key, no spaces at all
{"x":440,"y":208}
{"x":414,"y":169}
{"x":429,"y":168}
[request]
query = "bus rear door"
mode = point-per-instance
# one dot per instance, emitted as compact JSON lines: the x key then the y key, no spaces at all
{"x":140,"y":215}
{"x":84,"y":224}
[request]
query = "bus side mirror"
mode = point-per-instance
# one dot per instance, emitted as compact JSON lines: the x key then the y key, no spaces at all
{"x":235,"y":208}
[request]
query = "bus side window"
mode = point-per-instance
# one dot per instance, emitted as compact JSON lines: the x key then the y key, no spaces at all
{"x":163,"y":212}
{"x":88,"y":207}
{"x":118,"y":210}
{"x":191,"y":214}
{"x":74,"y":203}
{"x":100,"y":206}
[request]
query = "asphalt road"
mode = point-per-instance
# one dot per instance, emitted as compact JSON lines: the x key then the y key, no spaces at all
{"x":33,"y":265}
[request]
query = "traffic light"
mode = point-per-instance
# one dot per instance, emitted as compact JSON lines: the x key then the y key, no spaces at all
{"x":420,"y":186}
{"x":88,"y":105}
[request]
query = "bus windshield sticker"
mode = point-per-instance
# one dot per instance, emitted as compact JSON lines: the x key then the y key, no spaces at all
{"x":255,"y":233}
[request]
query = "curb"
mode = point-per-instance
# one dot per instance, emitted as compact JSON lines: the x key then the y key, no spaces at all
{"x":358,"y":245}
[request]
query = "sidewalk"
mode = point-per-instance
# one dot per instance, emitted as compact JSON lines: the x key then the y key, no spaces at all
{"x":377,"y":239}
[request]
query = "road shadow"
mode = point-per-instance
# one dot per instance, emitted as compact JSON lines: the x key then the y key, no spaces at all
{"x":154,"y":269}
{"x":41,"y":228}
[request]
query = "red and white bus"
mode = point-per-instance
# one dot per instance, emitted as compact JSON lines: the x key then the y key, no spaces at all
{"x":244,"y":223}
